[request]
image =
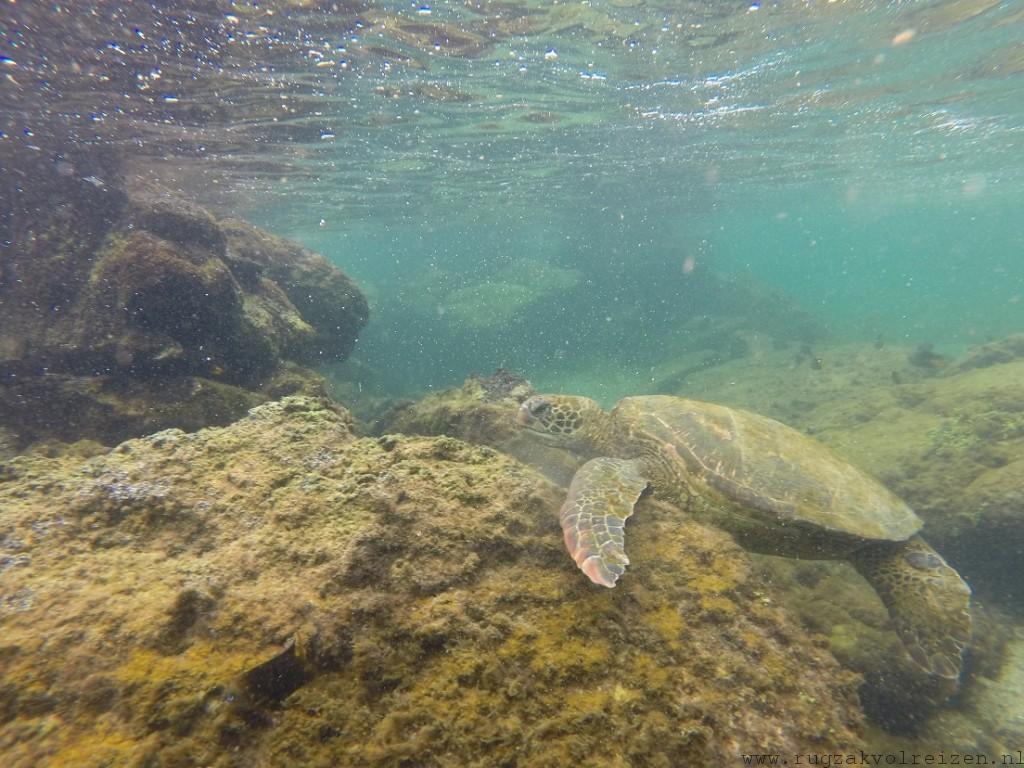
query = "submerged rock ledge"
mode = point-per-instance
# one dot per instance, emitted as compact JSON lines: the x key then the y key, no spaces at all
{"x":281,"y":592}
{"x":125,"y":309}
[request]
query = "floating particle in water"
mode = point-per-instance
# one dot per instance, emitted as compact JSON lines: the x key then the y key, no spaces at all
{"x":974,"y":185}
{"x":904,"y":37}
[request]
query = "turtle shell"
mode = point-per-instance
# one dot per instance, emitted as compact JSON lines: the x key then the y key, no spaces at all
{"x":762,"y":464}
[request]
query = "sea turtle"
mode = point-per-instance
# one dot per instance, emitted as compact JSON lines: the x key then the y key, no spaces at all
{"x":774,"y":489}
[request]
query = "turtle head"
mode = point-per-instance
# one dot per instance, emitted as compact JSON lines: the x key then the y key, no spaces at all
{"x":565,"y":421}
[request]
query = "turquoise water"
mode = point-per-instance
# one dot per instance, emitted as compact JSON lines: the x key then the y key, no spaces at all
{"x":471,"y":296}
{"x":912,"y":272}
{"x":536,"y":209}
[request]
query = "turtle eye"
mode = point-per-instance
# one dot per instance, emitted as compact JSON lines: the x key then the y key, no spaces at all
{"x":538,"y":406}
{"x":535,"y":411}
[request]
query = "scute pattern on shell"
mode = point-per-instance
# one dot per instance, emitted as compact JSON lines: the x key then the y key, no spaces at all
{"x":763,"y":464}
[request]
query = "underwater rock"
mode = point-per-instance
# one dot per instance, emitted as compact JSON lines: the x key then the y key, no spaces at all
{"x":994,"y":353}
{"x":831,"y":599}
{"x":8,"y":444}
{"x":989,"y":718}
{"x":925,"y":356}
{"x":522,"y":285}
{"x":111,"y":287}
{"x":322,"y":295}
{"x":172,"y":218}
{"x":998,"y":701}
{"x":955,"y":452}
{"x":281,"y":592}
{"x":107,"y":410}
{"x":481,"y":411}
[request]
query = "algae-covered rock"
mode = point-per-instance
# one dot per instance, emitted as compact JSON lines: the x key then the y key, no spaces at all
{"x":988,"y":719}
{"x":110,"y":409}
{"x":831,"y":599}
{"x":279,"y":592}
{"x":481,"y":411}
{"x":320,"y":294}
{"x":8,"y":444}
{"x":1003,"y":350}
{"x":69,"y":408}
{"x":107,"y":287}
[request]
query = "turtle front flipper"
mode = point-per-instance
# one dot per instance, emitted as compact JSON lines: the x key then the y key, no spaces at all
{"x":601,"y":497}
{"x":928,"y":601}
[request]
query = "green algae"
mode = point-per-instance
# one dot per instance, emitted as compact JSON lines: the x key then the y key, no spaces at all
{"x":157,"y":314}
{"x":415,"y":594}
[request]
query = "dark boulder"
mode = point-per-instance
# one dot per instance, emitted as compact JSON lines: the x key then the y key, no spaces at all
{"x":108,"y":288}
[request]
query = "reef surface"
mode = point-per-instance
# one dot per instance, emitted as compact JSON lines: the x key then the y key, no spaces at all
{"x":282,"y":592}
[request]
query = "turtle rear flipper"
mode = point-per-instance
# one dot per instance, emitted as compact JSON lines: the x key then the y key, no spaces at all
{"x":601,"y":497}
{"x":928,"y":601}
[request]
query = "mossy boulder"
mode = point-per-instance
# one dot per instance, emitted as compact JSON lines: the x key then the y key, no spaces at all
{"x":481,"y":411}
{"x":320,"y":294}
{"x":1004,"y":350}
{"x":107,"y":284}
{"x":8,"y":443}
{"x":281,"y":592}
